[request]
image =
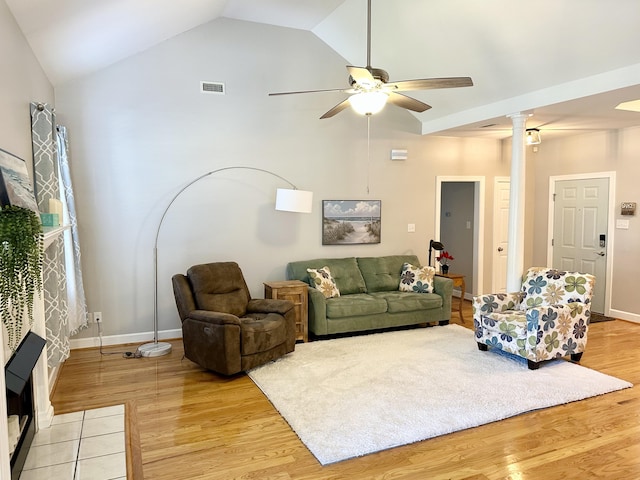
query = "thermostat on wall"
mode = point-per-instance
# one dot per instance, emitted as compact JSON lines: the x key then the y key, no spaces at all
{"x":628,"y":208}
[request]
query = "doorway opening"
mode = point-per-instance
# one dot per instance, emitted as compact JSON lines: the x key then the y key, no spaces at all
{"x":459,"y":225}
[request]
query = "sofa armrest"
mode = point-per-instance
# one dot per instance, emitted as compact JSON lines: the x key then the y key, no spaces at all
{"x":212,"y":340}
{"x":444,"y":287}
{"x":214,"y":318}
{"x":317,"y":312}
{"x":565,"y":317}
{"x":557,"y":330}
{"x":495,"y":302}
{"x":269,"y":305}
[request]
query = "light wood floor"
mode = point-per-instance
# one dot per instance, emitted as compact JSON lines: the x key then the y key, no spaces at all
{"x":194,"y":424}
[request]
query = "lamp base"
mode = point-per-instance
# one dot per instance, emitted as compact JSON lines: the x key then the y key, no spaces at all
{"x":154,"y":349}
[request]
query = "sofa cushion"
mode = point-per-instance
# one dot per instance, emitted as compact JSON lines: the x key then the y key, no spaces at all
{"x":416,"y":279}
{"x":322,"y":280}
{"x":356,"y":304}
{"x":344,"y":271}
{"x":383,"y":273}
{"x":409,"y":302}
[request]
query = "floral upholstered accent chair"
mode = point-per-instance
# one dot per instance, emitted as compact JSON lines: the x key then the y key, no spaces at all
{"x":547,"y":319}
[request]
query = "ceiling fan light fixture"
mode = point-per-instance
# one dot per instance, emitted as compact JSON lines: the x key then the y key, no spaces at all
{"x":368,"y":103}
{"x":532,"y":137}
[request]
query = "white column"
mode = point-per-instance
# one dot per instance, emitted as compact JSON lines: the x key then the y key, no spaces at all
{"x":515,"y":250}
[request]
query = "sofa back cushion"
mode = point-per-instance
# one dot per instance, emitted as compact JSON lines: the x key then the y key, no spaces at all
{"x":542,"y":286}
{"x":344,"y":271}
{"x":219,"y":287}
{"x":382,"y":274}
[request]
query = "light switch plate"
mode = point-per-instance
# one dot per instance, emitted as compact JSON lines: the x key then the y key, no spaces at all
{"x":622,"y":224}
{"x":411,"y":228}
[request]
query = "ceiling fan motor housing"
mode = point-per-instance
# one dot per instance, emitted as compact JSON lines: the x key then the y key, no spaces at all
{"x":376,"y":73}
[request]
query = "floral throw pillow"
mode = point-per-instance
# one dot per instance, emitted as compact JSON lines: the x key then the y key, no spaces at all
{"x":416,"y":279}
{"x":322,"y":280}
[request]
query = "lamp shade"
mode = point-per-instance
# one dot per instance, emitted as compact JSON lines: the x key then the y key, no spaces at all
{"x":368,"y":103}
{"x":294,"y":200}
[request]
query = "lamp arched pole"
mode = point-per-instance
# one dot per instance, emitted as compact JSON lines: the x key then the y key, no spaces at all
{"x":156,"y":348}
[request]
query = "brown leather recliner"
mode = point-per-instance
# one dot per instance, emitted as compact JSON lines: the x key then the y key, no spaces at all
{"x":223,"y":328}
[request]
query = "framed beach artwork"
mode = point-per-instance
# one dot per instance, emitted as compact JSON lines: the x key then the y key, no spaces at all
{"x":350,"y":222}
{"x":15,"y":186}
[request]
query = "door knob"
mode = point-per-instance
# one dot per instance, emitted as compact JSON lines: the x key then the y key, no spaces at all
{"x":500,"y":249}
{"x":600,"y":254}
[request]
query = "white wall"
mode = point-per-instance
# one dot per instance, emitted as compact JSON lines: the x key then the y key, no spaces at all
{"x":140,"y":130}
{"x":21,"y":82}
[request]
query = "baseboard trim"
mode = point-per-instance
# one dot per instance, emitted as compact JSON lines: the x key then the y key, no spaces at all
{"x":622,"y":315}
{"x":143,"y":337}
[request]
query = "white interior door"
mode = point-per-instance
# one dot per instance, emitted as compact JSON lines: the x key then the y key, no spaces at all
{"x":580,"y":233}
{"x":500,"y":234}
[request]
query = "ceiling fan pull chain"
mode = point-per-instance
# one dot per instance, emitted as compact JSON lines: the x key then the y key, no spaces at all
{"x":369,"y":34}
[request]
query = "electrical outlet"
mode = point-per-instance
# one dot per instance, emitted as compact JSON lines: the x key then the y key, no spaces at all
{"x":97,"y":317}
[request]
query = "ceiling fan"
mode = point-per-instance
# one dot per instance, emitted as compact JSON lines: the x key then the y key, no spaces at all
{"x":370,"y":89}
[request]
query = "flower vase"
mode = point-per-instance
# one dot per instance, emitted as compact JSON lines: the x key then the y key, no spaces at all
{"x":445,"y":269}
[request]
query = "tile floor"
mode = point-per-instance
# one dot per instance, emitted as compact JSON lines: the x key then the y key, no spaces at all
{"x":79,"y":446}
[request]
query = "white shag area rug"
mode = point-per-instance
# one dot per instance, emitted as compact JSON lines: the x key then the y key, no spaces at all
{"x":353,"y":396}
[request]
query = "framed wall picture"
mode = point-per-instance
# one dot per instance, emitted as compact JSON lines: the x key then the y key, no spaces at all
{"x":15,"y":185}
{"x":349,"y":222}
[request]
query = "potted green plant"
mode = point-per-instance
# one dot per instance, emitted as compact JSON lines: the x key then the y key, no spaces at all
{"x":21,"y":252}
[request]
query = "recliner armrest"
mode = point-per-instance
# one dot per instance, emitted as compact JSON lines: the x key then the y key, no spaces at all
{"x":214,"y":318}
{"x":495,"y":302}
{"x":269,"y":305}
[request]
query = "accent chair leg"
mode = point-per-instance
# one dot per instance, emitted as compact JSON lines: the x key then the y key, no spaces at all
{"x":483,"y":346}
{"x":533,"y":365}
{"x":576,"y":357}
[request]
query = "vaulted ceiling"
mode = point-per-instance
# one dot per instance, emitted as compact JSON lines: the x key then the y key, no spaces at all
{"x":568,"y":62}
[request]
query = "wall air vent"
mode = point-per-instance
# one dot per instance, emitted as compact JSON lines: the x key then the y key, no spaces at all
{"x":216,"y":88}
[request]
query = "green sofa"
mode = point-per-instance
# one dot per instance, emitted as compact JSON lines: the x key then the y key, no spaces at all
{"x":369,"y":295}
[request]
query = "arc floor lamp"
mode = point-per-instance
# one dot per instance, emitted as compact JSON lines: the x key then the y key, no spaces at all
{"x":287,"y":200}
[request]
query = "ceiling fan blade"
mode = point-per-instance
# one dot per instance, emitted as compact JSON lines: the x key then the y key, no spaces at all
{"x":361,"y":74}
{"x":409,"y":103}
{"x":311,"y":91}
{"x":335,"y":110}
{"x":430,"y":83}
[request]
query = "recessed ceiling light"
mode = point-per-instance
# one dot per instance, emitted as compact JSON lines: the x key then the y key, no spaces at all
{"x":632,"y":106}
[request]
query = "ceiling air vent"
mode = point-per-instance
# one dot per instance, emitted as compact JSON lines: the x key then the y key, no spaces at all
{"x":212,"y":87}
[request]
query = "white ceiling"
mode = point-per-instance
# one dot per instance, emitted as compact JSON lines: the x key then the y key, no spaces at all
{"x":568,"y":62}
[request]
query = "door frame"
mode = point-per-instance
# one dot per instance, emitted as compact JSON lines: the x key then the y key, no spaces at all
{"x":611,"y":176}
{"x":478,"y":222}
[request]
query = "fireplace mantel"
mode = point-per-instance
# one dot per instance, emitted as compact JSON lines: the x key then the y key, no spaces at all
{"x":41,"y":391}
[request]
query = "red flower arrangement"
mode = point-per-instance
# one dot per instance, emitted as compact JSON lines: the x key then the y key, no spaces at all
{"x":444,"y":258}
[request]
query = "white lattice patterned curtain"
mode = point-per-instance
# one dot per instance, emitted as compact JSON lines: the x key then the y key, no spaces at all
{"x":64,"y":300}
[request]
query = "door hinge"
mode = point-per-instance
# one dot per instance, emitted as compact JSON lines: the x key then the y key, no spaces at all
{"x":552,"y":242}
{"x":554,"y":197}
